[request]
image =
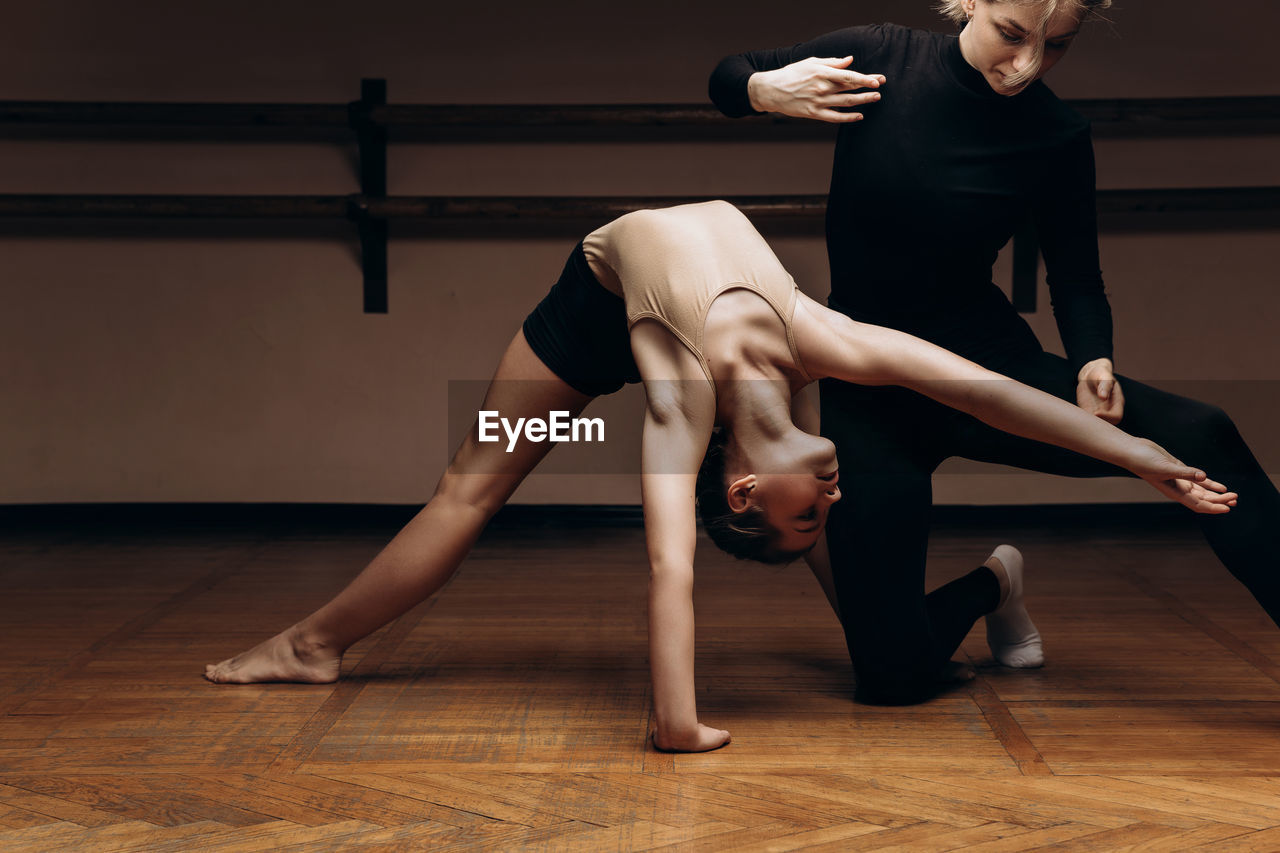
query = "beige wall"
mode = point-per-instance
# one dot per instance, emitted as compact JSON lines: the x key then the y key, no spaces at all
{"x":177,"y":365}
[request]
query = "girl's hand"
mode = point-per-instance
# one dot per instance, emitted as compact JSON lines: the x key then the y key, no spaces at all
{"x":813,"y":88}
{"x":1182,"y":483}
{"x":701,"y":739}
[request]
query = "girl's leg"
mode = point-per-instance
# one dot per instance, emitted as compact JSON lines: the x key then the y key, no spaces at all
{"x":426,"y":553}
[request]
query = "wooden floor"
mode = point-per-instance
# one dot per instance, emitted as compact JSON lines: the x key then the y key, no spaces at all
{"x":511,"y":713}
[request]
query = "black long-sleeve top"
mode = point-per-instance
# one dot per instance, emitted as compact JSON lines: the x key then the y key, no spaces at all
{"x":935,"y":180}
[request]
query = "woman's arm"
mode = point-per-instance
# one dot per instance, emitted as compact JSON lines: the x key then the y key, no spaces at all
{"x":679,"y":417}
{"x":1066,"y":225}
{"x":832,"y":344}
{"x":807,"y":80}
{"x":1066,"y":221}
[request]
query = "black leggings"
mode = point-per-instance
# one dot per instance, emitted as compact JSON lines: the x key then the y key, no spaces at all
{"x":898,"y":637}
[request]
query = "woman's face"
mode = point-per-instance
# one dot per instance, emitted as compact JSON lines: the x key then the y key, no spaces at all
{"x":1005,"y":42}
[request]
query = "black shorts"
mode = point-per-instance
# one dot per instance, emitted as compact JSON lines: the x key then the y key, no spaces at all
{"x":579,"y":330}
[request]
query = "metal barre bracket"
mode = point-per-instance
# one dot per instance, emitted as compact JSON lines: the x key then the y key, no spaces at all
{"x":371,"y":138}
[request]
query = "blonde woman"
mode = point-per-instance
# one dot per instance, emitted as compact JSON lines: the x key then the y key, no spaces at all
{"x":949,"y":144}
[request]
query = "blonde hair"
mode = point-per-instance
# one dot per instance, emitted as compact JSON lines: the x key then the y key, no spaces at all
{"x":954,"y":9}
{"x":1086,"y":9}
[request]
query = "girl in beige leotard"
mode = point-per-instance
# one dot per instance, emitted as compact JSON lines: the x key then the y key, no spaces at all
{"x":722,"y":338}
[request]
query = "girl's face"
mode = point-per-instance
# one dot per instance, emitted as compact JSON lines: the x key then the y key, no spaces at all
{"x":798,"y":490}
{"x":1012,"y":45}
{"x":796,"y":506}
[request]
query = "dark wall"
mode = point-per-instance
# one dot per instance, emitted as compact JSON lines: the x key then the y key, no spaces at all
{"x":175,"y":364}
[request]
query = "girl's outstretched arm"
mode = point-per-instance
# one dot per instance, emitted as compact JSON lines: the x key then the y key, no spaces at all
{"x":678,"y":421}
{"x":834,"y":345}
{"x":676,"y":432}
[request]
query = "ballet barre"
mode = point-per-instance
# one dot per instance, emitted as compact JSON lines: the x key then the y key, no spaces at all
{"x":1128,"y":117}
{"x":372,"y":124}
{"x":480,"y":209}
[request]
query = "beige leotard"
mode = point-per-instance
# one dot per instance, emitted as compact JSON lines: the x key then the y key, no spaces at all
{"x":671,"y":264}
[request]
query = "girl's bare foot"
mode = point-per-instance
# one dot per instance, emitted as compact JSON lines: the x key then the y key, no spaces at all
{"x":703,"y":739}
{"x":285,"y":657}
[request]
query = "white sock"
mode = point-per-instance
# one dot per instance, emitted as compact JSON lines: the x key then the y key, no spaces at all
{"x":1011,"y":635}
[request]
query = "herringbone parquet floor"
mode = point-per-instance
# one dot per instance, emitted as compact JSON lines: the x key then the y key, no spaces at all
{"x":511,"y":712}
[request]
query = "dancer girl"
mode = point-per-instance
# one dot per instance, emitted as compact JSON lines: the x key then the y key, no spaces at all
{"x":691,"y":301}
{"x":947,"y":146}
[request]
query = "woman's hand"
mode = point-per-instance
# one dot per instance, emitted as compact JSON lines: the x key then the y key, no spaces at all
{"x":1182,"y":483}
{"x":813,"y":88}
{"x":701,"y":739}
{"x":1098,"y":392}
